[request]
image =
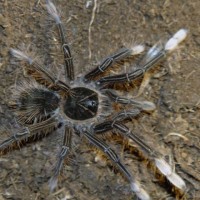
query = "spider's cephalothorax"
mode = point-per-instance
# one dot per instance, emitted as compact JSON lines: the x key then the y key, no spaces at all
{"x":84,"y":105}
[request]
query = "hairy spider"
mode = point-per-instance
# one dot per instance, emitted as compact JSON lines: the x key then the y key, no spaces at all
{"x":83,"y":106}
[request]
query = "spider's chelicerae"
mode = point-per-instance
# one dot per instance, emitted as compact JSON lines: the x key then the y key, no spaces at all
{"x":83,"y":106}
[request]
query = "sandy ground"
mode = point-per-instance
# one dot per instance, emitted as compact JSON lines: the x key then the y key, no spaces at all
{"x":172,"y":129}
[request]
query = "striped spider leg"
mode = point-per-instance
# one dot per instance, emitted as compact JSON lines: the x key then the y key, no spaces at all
{"x":82,"y":106}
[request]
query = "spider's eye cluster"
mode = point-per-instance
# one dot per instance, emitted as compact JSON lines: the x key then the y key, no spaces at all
{"x":90,"y":104}
{"x":82,"y":104}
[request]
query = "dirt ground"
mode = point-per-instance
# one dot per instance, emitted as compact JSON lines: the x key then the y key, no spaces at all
{"x":172,"y":129}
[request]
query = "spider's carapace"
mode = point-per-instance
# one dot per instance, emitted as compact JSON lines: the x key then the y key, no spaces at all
{"x":82,"y":104}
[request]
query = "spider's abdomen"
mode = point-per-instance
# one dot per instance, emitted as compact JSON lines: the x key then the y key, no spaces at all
{"x":43,"y":100}
{"x":34,"y":103}
{"x":82,"y":104}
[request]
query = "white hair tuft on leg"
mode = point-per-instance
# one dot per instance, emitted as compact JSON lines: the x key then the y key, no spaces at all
{"x":20,"y":55}
{"x":177,"y":38}
{"x":137,"y":49}
{"x":139,"y":191}
{"x":53,"y":11}
{"x":166,"y":170}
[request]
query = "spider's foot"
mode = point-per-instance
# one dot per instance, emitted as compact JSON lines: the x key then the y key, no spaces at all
{"x":168,"y":172}
{"x":53,"y":183}
{"x":177,"y":38}
{"x":139,"y":191}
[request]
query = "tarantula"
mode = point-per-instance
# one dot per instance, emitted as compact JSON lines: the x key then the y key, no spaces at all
{"x":83,"y":106}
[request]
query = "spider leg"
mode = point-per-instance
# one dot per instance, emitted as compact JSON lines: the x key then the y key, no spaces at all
{"x":21,"y":134}
{"x":144,"y":105}
{"x":160,"y":163}
{"x":41,"y":70}
{"x":131,"y":113}
{"x":109,"y":125}
{"x":31,"y":131}
{"x":64,"y":152}
{"x":109,"y":61}
{"x":135,"y":186}
{"x":154,"y":56}
{"x":69,"y":67}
